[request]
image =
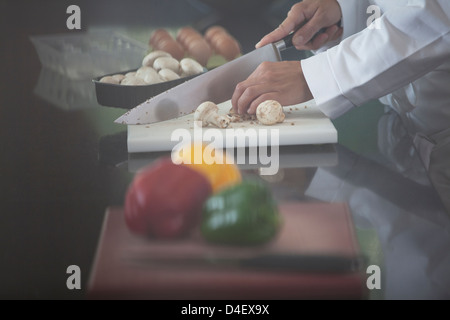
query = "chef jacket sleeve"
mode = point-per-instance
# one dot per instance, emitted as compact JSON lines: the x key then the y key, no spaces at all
{"x":409,"y":41}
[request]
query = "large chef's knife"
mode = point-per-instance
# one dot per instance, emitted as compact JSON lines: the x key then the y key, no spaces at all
{"x":317,"y":263}
{"x":216,"y":85}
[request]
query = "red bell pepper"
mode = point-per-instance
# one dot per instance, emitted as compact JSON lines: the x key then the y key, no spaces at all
{"x":165,"y":200}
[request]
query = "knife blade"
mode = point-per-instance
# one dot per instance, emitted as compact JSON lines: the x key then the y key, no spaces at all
{"x":314,"y":263}
{"x":216,"y":85}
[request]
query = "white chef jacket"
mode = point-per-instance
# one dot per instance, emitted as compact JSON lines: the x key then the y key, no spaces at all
{"x":407,"y":57}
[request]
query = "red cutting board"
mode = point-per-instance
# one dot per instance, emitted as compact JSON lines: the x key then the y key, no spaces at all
{"x":308,"y":228}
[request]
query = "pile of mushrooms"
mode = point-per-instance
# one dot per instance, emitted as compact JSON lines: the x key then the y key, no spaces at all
{"x":268,"y":113}
{"x":158,"y":66}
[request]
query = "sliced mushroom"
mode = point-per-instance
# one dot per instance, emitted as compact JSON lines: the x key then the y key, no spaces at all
{"x":236,"y":117}
{"x":167,"y":63}
{"x":270,"y":112}
{"x":152,"y":56}
{"x":190,"y":67}
{"x":208,"y":113}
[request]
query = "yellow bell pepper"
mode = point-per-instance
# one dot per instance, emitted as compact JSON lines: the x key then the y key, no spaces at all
{"x":216,"y":165}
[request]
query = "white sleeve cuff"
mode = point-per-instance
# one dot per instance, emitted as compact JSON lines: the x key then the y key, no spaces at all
{"x":323,"y":86}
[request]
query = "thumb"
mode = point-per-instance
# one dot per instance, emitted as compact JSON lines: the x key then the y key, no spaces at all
{"x":279,"y":33}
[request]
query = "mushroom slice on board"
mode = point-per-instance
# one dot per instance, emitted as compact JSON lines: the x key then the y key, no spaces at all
{"x":208,"y":113}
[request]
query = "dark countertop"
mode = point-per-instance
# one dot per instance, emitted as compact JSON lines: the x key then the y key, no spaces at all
{"x":64,"y":161}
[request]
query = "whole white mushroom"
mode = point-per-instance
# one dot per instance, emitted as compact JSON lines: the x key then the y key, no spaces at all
{"x":144,"y":71}
{"x":109,"y":79}
{"x":167,"y":63}
{"x":119,"y":77}
{"x":133,"y":81}
{"x":131,"y":73}
{"x":152,"y":56}
{"x":208,"y":113}
{"x":190,"y":67}
{"x":270,"y":112}
{"x":168,"y":75}
{"x":148,"y":74}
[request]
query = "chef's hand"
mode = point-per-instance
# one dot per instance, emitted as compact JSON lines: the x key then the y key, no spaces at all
{"x":315,"y":15}
{"x":282,"y":81}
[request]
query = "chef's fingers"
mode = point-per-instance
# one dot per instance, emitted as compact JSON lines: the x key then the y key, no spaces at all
{"x":337,"y":34}
{"x":238,"y":91}
{"x":257,"y":77}
{"x":260,"y":99}
{"x":311,"y":15}
{"x":295,"y":17}
{"x":320,"y":39}
{"x":286,"y":27}
{"x":306,"y":33}
{"x":249,"y":91}
{"x":319,"y":14}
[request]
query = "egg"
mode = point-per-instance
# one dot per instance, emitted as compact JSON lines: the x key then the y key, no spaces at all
{"x":226,"y":46}
{"x":212,"y":31}
{"x":172,"y":47}
{"x":200,"y":50}
{"x":158,"y":35}
{"x":186,"y":35}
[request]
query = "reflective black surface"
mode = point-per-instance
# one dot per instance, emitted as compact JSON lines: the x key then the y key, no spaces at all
{"x":64,"y":161}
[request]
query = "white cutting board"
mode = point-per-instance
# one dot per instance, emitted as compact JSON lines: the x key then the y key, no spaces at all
{"x":304,"y":124}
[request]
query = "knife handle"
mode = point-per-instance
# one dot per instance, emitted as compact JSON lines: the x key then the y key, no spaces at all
{"x":288,"y":39}
{"x":286,"y":42}
{"x":306,"y":263}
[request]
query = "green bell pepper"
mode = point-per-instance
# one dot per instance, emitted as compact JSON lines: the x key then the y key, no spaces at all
{"x":244,"y":214}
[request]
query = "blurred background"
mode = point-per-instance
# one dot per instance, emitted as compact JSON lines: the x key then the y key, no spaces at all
{"x":64,"y":161}
{"x":60,"y":148}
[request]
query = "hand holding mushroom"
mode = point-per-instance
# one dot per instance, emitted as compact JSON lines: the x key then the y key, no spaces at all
{"x":268,"y":112}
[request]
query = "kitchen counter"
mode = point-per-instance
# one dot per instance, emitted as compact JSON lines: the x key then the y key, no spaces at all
{"x":64,"y":161}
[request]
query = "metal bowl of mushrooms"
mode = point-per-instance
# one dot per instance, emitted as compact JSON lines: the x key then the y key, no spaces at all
{"x":159,"y":72}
